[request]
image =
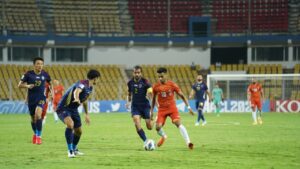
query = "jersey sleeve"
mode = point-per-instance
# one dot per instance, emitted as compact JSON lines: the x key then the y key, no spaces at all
{"x":147,"y":84}
{"x":249,"y":89}
{"x":176,"y":87}
{"x":128,"y":87}
{"x":48,"y":78}
{"x":194,"y":87}
{"x":24,"y":77}
{"x":154,"y":89}
{"x":80,"y":85}
{"x":205,"y":87}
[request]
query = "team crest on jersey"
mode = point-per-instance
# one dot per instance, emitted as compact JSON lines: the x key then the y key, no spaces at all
{"x":198,"y":87}
{"x":43,"y":78}
{"x":38,"y":77}
{"x":255,"y":89}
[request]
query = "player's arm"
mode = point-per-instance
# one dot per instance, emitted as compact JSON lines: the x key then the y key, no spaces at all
{"x":76,"y":95}
{"x":128,"y":98}
{"x":25,"y":85}
{"x":209,"y":95}
{"x":222,"y":96}
{"x":192,"y":93}
{"x":249,"y":95}
{"x":181,"y":95}
{"x":87,"y":116}
{"x":262,"y":94}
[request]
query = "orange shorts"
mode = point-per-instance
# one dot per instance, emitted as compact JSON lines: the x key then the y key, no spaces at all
{"x":256,"y":103}
{"x":163,"y":114}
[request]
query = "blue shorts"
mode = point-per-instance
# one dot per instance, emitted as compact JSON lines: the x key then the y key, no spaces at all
{"x":200,"y":104}
{"x":74,"y":116}
{"x":32,"y":107}
{"x":143,"y":111}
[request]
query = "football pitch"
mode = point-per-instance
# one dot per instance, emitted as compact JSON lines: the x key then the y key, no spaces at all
{"x":229,"y":141}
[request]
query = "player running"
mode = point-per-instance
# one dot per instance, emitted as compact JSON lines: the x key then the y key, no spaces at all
{"x":139,"y":89}
{"x":34,"y":80}
{"x":67,"y":110}
{"x":164,"y":91}
{"x":255,"y":96}
{"x":199,"y":90}
{"x":217,"y":97}
{"x":58,"y":92}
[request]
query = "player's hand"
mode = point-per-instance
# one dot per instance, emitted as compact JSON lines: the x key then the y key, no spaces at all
{"x":127,"y":105}
{"x":191,"y":111}
{"x":87,"y":119}
{"x":30,"y":86}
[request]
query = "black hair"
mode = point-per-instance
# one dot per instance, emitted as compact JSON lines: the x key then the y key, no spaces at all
{"x":137,"y":67}
{"x":162,"y":70}
{"x":36,"y":59}
{"x":92,"y":74}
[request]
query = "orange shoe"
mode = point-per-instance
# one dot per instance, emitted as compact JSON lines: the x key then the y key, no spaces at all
{"x":161,"y":141}
{"x":191,"y":146}
{"x":34,"y":139}
{"x":38,"y":140}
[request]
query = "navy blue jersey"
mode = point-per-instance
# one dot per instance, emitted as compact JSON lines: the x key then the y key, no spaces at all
{"x":66,"y":102}
{"x":200,"y":90}
{"x":139,"y":91}
{"x":37,"y":93}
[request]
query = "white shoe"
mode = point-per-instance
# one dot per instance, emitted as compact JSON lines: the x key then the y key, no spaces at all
{"x":77,"y":152}
{"x":71,"y":154}
{"x":197,"y":124}
{"x":204,"y":123}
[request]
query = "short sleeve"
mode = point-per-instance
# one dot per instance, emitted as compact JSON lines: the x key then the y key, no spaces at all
{"x":48,"y":79}
{"x":128,"y":87}
{"x":176,"y":88}
{"x":25,"y":77}
{"x":147,"y":84}
{"x":80,"y":86}
{"x":205,"y":87}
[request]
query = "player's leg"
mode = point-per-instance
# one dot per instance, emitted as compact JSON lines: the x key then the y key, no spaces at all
{"x":218,"y":107}
{"x":198,"y":117}
{"x":176,"y":120}
{"x":253,"y":107}
{"x":39,"y":123}
{"x":33,"y":122}
{"x":66,"y":118}
{"x":259,"y":108}
{"x":200,"y":113}
{"x":77,"y":132}
{"x":160,"y":121}
{"x":54,"y":106}
{"x":146,"y":116}
{"x":136,"y":117}
{"x":44,"y":112}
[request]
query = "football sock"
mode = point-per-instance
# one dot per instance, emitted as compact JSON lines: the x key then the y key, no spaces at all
{"x":161,"y":133}
{"x":33,"y":126}
{"x":75,"y":141}
{"x":254,"y":115}
{"x":39,"y":124}
{"x":142,"y":134}
{"x":184,"y":134}
{"x":55,"y":116}
{"x":69,"y":138}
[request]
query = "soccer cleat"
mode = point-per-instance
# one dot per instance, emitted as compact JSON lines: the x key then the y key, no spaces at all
{"x":254,"y":123}
{"x":191,"y":146}
{"x":161,"y":141}
{"x":77,"y":152}
{"x":204,"y":123}
{"x":197,"y":124}
{"x":34,"y":139}
{"x":71,"y":154}
{"x":38,"y":140}
{"x":259,"y":120}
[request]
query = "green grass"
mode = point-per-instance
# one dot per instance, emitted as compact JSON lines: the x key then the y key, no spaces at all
{"x":229,"y":141}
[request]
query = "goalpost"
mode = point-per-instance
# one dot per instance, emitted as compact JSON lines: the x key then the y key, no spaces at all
{"x":281,"y":91}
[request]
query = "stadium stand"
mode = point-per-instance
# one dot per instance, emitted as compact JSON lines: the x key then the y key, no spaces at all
{"x":22,"y":16}
{"x":109,"y":88}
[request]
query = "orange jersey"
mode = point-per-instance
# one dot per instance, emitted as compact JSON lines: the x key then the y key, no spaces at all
{"x":58,"y":92}
{"x":47,"y":89}
{"x":255,"y":91}
{"x":165,"y":93}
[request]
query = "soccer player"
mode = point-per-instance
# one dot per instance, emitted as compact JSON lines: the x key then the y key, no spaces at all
{"x":217,"y":97}
{"x":34,"y":80}
{"x":67,"y":110}
{"x":139,"y":89}
{"x":164,"y":91}
{"x":199,"y":90}
{"x":255,"y":96}
{"x":58,"y":91}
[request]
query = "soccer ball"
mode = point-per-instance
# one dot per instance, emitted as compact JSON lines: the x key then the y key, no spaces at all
{"x":149,"y":145}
